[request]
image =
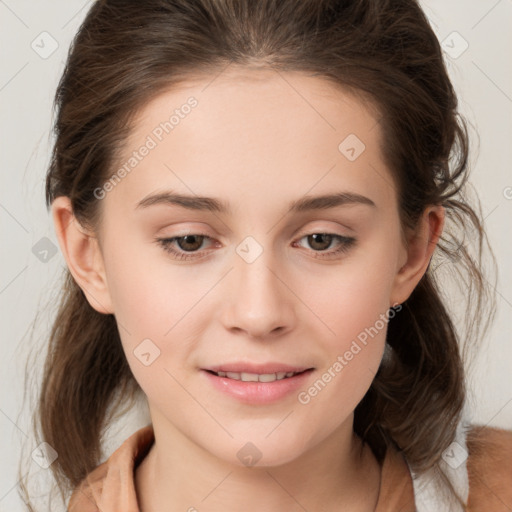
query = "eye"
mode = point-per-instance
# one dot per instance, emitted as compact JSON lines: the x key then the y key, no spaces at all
{"x":320,"y":242}
{"x":189,"y":246}
{"x":190,"y":243}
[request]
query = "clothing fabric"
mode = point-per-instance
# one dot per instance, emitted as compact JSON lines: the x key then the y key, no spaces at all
{"x":487,"y":473}
{"x":111,"y":486}
{"x":428,"y":497}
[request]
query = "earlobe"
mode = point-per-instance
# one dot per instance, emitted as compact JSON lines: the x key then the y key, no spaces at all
{"x":421,"y":245}
{"x":82,"y":254}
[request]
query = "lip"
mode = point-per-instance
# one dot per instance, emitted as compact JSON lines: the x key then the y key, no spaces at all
{"x":257,"y":392}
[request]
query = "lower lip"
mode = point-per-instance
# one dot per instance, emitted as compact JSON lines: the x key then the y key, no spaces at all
{"x":258,"y":392}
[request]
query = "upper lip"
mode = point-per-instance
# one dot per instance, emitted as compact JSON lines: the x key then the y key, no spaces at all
{"x":259,"y":369}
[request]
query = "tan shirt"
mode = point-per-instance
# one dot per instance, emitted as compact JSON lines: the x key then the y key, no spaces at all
{"x":111,"y":486}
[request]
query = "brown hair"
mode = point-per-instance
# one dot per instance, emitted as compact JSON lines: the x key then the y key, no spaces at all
{"x":128,"y":51}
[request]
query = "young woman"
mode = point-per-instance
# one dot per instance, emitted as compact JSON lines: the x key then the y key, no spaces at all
{"x":249,"y":196}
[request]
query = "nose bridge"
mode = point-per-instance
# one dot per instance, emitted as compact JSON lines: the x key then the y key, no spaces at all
{"x":258,"y":302}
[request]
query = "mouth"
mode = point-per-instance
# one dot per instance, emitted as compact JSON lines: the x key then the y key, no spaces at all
{"x":257,"y":384}
{"x":257,"y":377}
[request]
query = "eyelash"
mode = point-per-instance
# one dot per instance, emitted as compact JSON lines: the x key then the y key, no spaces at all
{"x":345,"y":244}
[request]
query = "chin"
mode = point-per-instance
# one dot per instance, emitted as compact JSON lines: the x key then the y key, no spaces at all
{"x":261,"y":452}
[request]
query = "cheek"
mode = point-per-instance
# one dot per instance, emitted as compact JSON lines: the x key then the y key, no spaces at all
{"x":356,"y":319}
{"x":150,"y":295}
{"x":357,"y":315}
{"x":160,"y":311}
{"x":353,"y":308}
{"x":352,"y":298}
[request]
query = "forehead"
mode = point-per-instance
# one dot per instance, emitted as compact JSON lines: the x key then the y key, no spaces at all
{"x":245,"y":130}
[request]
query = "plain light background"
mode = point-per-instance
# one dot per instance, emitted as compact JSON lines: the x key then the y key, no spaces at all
{"x":35,"y":37}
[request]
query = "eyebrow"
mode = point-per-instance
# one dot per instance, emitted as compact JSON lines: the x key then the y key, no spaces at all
{"x":211,"y":204}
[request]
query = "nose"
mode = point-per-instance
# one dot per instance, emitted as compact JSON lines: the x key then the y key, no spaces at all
{"x":258,"y":301}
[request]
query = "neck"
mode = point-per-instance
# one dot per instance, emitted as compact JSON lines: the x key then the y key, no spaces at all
{"x":178,"y":475}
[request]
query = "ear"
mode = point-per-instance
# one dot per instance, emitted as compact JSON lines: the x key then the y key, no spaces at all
{"x":421,"y":243}
{"x":83,"y":255}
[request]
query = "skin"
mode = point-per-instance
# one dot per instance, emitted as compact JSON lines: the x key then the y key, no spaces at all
{"x":257,"y":140}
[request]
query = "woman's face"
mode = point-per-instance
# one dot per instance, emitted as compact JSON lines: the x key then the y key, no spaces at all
{"x":290,"y":265}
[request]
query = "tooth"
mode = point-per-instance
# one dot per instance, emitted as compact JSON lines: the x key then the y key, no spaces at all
{"x":249,"y":377}
{"x":255,"y":377}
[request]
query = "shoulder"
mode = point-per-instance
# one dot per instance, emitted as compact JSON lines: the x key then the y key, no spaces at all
{"x":489,"y":469}
{"x":111,"y":484}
